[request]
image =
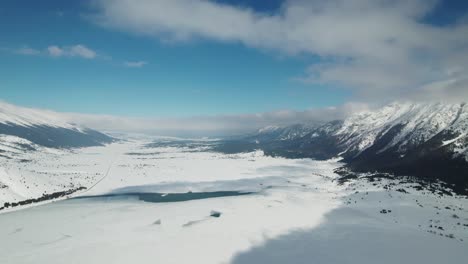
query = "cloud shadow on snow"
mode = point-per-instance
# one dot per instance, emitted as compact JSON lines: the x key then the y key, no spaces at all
{"x":351,"y":236}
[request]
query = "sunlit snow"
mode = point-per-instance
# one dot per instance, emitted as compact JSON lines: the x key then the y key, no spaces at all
{"x":295,"y":211}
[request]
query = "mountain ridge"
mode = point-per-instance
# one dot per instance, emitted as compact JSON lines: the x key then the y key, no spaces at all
{"x":426,"y":140}
{"x":47,"y":128}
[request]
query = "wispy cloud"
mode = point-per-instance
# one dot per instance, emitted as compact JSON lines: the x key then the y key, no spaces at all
{"x":24,"y":50}
{"x":56,"y":51}
{"x":71,"y":51}
{"x":77,"y":51}
{"x":27,"y":51}
{"x":377,"y":48}
{"x":135,"y":64}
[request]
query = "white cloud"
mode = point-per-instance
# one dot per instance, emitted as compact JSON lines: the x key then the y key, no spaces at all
{"x":55,"y":51}
{"x":71,"y":51}
{"x":378,"y":48}
{"x":82,"y":51}
{"x":135,"y":64}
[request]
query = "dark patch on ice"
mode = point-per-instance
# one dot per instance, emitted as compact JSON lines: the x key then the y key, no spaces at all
{"x":190,"y":223}
{"x":215,"y":214}
{"x":17,"y":230}
{"x":168,"y":197}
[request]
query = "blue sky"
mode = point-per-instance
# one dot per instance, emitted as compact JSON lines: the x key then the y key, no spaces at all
{"x":196,"y":78}
{"x":135,"y":70}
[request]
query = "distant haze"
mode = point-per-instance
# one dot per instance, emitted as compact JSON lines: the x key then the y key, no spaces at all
{"x":221,"y":125}
{"x":196,"y":126}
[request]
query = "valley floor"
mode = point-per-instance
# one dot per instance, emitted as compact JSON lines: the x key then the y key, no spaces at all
{"x":265,"y":210}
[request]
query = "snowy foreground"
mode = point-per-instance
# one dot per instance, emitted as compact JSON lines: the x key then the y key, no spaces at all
{"x":295,"y":211}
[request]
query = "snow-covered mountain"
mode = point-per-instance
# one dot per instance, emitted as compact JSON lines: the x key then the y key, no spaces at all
{"x":284,"y":133}
{"x":29,"y":140}
{"x":44,"y":128}
{"x":408,"y":125}
{"x":422,"y":139}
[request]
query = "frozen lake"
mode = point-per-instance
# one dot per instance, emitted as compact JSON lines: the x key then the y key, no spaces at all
{"x":171,"y":203}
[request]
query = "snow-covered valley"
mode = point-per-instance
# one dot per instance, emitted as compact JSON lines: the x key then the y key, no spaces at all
{"x":278,"y":210}
{"x":234,"y":132}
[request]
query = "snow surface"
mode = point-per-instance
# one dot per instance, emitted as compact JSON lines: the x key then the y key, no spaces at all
{"x":298,"y":212}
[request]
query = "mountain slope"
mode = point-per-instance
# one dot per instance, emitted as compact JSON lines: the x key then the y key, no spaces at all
{"x":428,"y":140}
{"x":31,"y":141}
{"x":46,"y":128}
{"x":425,"y":140}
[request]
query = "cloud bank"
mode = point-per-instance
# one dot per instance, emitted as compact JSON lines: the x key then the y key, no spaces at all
{"x":199,"y":126}
{"x":378,"y":48}
{"x":220,"y":125}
